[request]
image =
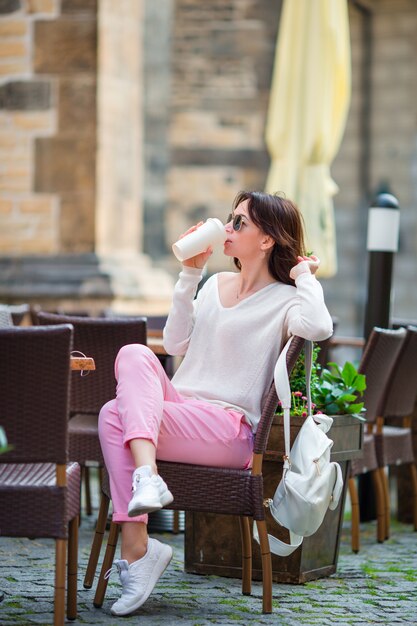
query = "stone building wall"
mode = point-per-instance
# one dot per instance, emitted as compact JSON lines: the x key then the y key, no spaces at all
{"x":378,"y":153}
{"x":200,"y":74}
{"x":222,"y":59}
{"x":47,"y":126}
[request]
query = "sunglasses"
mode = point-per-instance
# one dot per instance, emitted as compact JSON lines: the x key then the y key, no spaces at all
{"x":237,"y":221}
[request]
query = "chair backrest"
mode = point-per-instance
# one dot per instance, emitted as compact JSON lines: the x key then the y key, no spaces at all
{"x":6,"y":319}
{"x":377,"y":362}
{"x":401,"y":390}
{"x":101,"y":339}
{"x":271,"y":403}
{"x":34,"y":392}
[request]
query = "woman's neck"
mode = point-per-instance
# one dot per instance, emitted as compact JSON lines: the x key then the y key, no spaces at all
{"x":251,"y":279}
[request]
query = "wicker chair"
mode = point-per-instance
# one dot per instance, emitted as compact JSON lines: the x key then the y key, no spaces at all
{"x":377,"y":363}
{"x":6,"y":319}
{"x":394,"y":442}
{"x":214,"y":490}
{"x":102,"y":339}
{"x":154,"y":328}
{"x":39,"y":491}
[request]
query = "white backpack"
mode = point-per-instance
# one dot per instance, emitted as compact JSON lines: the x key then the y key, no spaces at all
{"x":310,"y":482}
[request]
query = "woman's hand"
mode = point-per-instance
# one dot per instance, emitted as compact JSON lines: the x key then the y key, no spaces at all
{"x":201,"y":259}
{"x":305,"y":264}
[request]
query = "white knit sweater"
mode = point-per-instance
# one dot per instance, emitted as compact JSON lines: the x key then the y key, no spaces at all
{"x":230,"y":353}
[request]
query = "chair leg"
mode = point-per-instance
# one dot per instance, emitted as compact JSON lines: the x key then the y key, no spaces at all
{"x":387,"y":504}
{"x":97,"y":542}
{"x":72,"y":569}
{"x":59,"y":596}
{"x":176,"y":522}
{"x":100,"y":478}
{"x":88,"y":507}
{"x":378,"y":483}
{"x":246,"y":535}
{"x":266,"y":566}
{"x":107,"y":563}
{"x":354,"y":501}
{"x":413,"y":471}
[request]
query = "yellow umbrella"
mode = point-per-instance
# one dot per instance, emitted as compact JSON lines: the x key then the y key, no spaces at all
{"x":307,"y":113}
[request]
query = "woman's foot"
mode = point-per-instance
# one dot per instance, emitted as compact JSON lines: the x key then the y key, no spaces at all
{"x":150,"y":492}
{"x":140,"y":577}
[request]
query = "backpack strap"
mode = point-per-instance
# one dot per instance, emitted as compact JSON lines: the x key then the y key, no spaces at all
{"x":282,"y":385}
{"x":280,"y":547}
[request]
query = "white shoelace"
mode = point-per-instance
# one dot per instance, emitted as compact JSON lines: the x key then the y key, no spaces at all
{"x":116,"y":568}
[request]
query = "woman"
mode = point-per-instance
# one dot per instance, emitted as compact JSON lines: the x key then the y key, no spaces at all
{"x":230,"y":337}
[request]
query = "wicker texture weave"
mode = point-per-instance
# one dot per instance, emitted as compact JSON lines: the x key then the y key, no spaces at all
{"x":377,"y":363}
{"x":34,"y":400}
{"x":101,"y":339}
{"x":395,"y":443}
{"x":39,"y":491}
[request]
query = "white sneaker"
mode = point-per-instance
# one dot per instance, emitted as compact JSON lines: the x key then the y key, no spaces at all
{"x":150,"y":492}
{"x":140,"y":577}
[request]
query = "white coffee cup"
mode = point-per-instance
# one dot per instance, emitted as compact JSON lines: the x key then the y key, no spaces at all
{"x":208,"y":234}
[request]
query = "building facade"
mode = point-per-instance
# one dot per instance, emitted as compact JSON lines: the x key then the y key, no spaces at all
{"x":123,"y":122}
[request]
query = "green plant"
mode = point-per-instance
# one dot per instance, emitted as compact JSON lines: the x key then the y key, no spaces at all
{"x":335,"y":391}
{"x":338,"y":390}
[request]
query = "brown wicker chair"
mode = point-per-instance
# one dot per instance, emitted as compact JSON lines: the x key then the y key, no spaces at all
{"x":101,"y":339}
{"x":154,"y":328}
{"x":394,"y":442}
{"x":214,"y":490}
{"x":39,"y":491}
{"x":377,"y":363}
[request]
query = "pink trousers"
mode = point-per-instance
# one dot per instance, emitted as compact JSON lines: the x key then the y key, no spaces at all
{"x":147,"y":406}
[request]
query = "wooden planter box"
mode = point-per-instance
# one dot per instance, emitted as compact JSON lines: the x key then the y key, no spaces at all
{"x":213,"y":544}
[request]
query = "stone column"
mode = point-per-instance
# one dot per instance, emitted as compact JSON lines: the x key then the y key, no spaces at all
{"x":119,"y":127}
{"x":71,"y":152}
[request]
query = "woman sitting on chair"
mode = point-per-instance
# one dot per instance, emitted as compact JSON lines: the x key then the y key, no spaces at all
{"x":230,"y":336}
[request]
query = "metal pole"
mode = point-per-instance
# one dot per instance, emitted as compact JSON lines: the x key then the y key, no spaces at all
{"x":382,"y":243}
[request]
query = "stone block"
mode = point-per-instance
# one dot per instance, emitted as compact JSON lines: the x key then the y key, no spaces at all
{"x":16,"y":179}
{"x":47,"y":7}
{"x":6,"y":207}
{"x":77,"y":105}
{"x":13,"y":28}
{"x":12,"y":49}
{"x":64,"y":165}
{"x":26,"y":95}
{"x":79,"y":7}
{"x":10,"y":6}
{"x":77,"y":222}
{"x":38,"y":206}
{"x":65,"y":46}
{"x":33,"y":121}
{"x":210,"y":129}
{"x":15,"y":68}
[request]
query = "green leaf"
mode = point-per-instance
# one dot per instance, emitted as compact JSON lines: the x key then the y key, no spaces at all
{"x":356,"y":408}
{"x":349,"y":373}
{"x":348,"y":397}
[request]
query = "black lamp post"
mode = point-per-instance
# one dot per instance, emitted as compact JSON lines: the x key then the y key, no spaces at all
{"x":382,"y":243}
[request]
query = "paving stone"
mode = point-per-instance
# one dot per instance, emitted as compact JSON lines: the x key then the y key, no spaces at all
{"x":375,"y":586}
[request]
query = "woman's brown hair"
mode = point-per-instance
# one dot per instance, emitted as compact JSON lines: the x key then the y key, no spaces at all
{"x":281,"y":219}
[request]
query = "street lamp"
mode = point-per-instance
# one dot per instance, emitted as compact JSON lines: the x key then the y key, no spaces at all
{"x":382,"y":243}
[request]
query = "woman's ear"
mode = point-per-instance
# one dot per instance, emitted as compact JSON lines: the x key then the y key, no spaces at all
{"x":267,"y":243}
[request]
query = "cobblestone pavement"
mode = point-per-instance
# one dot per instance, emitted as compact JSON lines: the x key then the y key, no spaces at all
{"x":376,"y":586}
